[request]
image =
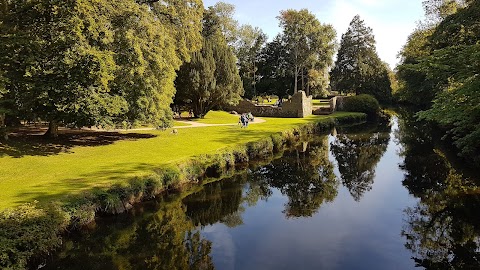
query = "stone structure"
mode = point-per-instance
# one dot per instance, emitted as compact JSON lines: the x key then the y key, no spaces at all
{"x":298,"y":106}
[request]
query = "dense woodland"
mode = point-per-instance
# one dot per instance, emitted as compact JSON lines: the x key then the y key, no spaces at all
{"x":125,"y":63}
{"x":439,"y":72}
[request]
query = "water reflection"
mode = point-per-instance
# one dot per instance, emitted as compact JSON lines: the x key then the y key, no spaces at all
{"x":443,"y":229}
{"x":257,"y":210}
{"x":357,"y":155}
{"x":165,"y":239}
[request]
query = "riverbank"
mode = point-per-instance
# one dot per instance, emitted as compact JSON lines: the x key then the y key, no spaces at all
{"x":89,"y":180}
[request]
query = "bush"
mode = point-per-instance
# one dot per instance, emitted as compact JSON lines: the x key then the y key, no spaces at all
{"x":28,"y":232}
{"x":278,"y":142}
{"x":362,"y":103}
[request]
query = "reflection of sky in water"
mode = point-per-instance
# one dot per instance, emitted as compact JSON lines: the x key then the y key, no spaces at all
{"x":343,"y":234}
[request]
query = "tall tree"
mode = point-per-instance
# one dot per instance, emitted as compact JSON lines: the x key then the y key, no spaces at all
{"x":248,"y":47}
{"x":358,"y":68}
{"x":448,"y":78}
{"x":211,"y":79}
{"x":274,"y":69}
{"x":91,"y":62}
{"x":228,"y":25}
{"x":309,"y":43}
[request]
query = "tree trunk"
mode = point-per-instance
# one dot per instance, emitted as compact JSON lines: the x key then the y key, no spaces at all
{"x":52,"y":131}
{"x":254,"y":80}
{"x":308,"y":88}
{"x":303,"y":81}
{"x":295,"y":89}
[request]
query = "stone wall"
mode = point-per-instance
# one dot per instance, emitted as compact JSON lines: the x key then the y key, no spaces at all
{"x":298,"y":106}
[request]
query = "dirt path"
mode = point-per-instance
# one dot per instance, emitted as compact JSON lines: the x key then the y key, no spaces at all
{"x":196,"y":124}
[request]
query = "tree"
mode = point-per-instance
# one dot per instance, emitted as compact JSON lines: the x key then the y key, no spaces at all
{"x":211,"y":79}
{"x":447,"y":78}
{"x":248,"y":47}
{"x":228,"y":25}
{"x":274,"y":69}
{"x":310,"y":44}
{"x":358,"y":68}
{"x":182,"y":18}
{"x":84,"y":63}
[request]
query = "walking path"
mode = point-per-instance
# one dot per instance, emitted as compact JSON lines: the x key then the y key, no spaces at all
{"x":193,"y":124}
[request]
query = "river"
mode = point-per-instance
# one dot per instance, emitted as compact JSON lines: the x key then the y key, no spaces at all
{"x":376,"y":196}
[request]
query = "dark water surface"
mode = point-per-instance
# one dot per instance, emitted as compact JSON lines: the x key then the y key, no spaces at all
{"x":372,"y":197}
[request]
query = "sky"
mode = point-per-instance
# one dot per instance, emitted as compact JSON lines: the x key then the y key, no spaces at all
{"x":391,"y":20}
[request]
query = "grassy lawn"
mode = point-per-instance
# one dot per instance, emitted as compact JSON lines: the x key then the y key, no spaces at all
{"x":321,"y":102}
{"x":53,"y":176}
{"x":179,"y":124}
{"x":218,"y":117}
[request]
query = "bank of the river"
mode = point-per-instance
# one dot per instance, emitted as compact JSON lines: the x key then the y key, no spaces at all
{"x":374,"y":196}
{"x":110,"y":178}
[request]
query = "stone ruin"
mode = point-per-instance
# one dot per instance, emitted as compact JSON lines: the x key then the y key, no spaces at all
{"x":298,"y":106}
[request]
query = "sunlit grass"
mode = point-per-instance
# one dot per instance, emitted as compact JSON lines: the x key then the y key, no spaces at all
{"x":45,"y":177}
{"x":218,"y":117}
{"x":321,"y":102}
{"x":180,"y":124}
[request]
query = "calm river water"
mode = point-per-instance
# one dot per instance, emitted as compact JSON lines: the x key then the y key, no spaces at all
{"x":370,"y":197}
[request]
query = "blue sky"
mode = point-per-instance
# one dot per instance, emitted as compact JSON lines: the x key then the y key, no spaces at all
{"x":391,"y":20}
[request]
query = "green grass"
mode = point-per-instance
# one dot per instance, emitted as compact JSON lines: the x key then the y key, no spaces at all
{"x":321,"y":102}
{"x":46,"y":177}
{"x":272,"y":101}
{"x":180,"y":124}
{"x":218,"y":117}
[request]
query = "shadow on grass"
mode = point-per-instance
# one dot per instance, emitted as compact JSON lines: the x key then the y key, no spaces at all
{"x":27,"y":141}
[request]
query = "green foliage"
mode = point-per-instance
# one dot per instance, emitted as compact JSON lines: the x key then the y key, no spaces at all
{"x":358,"y":68}
{"x":85,"y":63}
{"x":248,"y":46}
{"x":211,"y":79}
{"x":362,"y":103}
{"x":275,"y":69}
{"x":457,"y":110}
{"x":278,"y":142}
{"x":310,"y":44}
{"x":28,"y":232}
{"x":444,"y":76}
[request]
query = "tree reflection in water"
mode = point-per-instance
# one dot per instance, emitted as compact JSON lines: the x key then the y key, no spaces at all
{"x":357,"y":156}
{"x":443,"y":229}
{"x":305,"y":177}
{"x":165,"y":239}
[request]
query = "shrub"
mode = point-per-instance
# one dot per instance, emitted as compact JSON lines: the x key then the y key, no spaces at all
{"x":171,"y":176}
{"x":240,"y":154}
{"x":362,"y":103}
{"x":28,"y":232}
{"x":153,"y":185}
{"x":260,"y":149}
{"x":278,"y":142}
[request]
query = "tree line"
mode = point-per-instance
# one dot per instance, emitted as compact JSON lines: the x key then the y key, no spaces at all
{"x":439,"y":72}
{"x":124,"y":63}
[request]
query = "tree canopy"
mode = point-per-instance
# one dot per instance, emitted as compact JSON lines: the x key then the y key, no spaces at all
{"x":439,"y":72}
{"x":358,"y":68}
{"x":85,"y":63}
{"x":211,"y":79}
{"x":310,"y":44}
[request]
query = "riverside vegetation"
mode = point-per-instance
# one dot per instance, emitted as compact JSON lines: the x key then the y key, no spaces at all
{"x":34,"y":229}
